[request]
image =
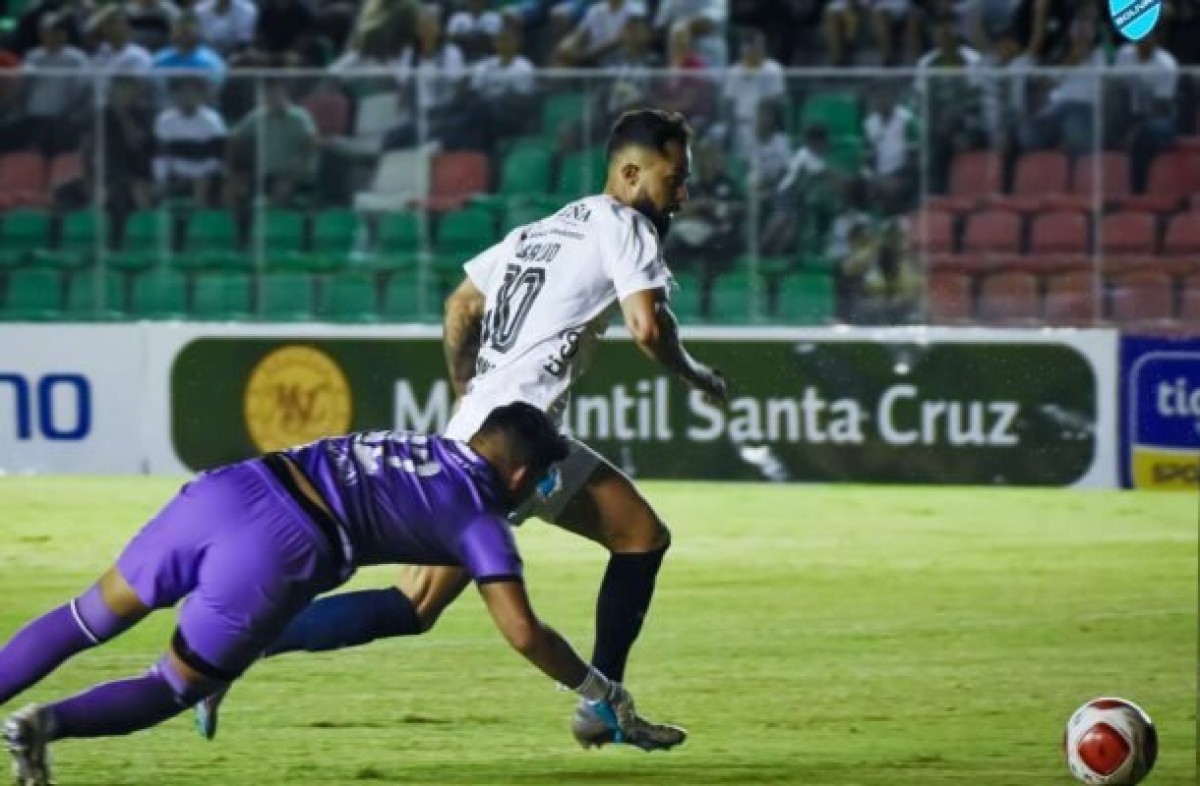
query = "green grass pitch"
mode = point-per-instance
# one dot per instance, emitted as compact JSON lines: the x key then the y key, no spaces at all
{"x":805,"y":635}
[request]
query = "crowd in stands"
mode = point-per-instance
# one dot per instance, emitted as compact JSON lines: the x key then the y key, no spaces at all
{"x":307,"y":105}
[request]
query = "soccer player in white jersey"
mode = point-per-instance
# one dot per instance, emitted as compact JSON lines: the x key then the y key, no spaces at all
{"x":521,"y":327}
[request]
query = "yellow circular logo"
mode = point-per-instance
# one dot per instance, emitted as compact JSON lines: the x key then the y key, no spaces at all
{"x":295,"y":395}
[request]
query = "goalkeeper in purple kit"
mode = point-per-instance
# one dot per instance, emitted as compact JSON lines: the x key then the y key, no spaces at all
{"x":247,"y":546}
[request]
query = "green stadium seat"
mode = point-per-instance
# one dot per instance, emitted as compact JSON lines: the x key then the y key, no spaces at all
{"x":350,"y":298}
{"x":526,"y":171}
{"x":89,"y":297}
{"x":402,"y":299}
{"x":522,"y":214}
{"x":581,"y":174}
{"x":147,"y":241}
{"x":212,"y":242}
{"x":685,"y":301}
{"x":33,"y":295}
{"x":840,"y":113}
{"x":560,"y":110}
{"x":806,"y":298}
{"x":159,"y":294}
{"x":286,"y":297}
{"x":221,"y":296}
{"x":731,"y":299}
{"x":466,"y":232}
{"x":82,"y":231}
{"x":21,"y":233}
{"x":336,"y":231}
{"x":398,"y":241}
{"x":282,"y":231}
{"x":845,"y":154}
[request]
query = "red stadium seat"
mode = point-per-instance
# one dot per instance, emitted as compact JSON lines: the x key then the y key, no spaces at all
{"x":1058,"y":242}
{"x":1170,"y":183}
{"x":1070,"y":299}
{"x":1142,"y":299}
{"x":1189,"y":305}
{"x":1040,"y":177}
{"x":23,"y":180}
{"x":1112,"y":169}
{"x":932,"y":231}
{"x":973,"y":177}
{"x":949,"y":298}
{"x":1181,"y":247}
{"x":1009,"y":298}
{"x":330,"y":112}
{"x":992,"y":239}
{"x":454,"y":179}
{"x":1127,"y":241}
{"x":64,"y":168}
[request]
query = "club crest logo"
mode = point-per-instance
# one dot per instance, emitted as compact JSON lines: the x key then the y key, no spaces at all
{"x":295,"y":395}
{"x":1135,"y":19}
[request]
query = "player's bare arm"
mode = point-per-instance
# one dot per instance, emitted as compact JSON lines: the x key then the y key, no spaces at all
{"x":508,"y":603}
{"x":461,"y":329}
{"x":656,"y":332}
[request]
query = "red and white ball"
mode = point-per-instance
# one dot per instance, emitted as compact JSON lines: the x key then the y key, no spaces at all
{"x":1110,"y":742}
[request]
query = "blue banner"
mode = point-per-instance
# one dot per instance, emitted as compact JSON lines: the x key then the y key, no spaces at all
{"x":1160,"y":413}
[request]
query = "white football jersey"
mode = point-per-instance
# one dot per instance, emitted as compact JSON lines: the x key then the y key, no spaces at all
{"x":551,"y":289}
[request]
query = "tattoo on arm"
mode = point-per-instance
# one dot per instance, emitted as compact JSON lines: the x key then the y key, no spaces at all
{"x":462,"y":329}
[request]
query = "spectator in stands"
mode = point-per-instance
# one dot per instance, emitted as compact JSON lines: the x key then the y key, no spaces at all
{"x":117,"y":53}
{"x":1044,"y":25}
{"x":54,"y":102}
{"x":791,"y":26}
{"x":1150,"y":93}
{"x":706,"y":233}
{"x":953,"y":102}
{"x":282,"y":33}
{"x":1067,"y":119}
{"x":852,"y":250}
{"x":704,"y":20}
{"x":770,"y":152}
{"x":190,"y":53}
{"x":14,"y":124}
{"x":751,"y":81}
{"x":1005,"y":90}
{"x":891,"y":162}
{"x":28,"y":33}
{"x":189,"y":146}
{"x":500,"y":101}
{"x":275,"y":145}
{"x":431,"y":75}
{"x":151,"y":22}
{"x":228,"y":25}
{"x":807,"y":177}
{"x":893,"y":23}
{"x":692,"y":94}
{"x":597,"y":39}
{"x":988,"y":21}
{"x":124,"y":139}
{"x":474,"y":29}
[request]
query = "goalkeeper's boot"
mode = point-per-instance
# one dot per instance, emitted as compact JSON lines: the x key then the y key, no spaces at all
{"x":595,"y":725}
{"x":207,"y":713}
{"x":27,"y":738}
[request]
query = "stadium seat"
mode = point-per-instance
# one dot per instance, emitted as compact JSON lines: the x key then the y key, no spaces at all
{"x":145,"y":241}
{"x":806,"y":299}
{"x":731,"y":299}
{"x":401,"y":178}
{"x":213,"y":242}
{"x":454,"y":179}
{"x":1181,"y":246}
{"x":330,"y":112}
{"x":950,"y":298}
{"x":1112,"y":169}
{"x":845,"y":154}
{"x":33,"y":295}
{"x":81,"y":234}
{"x":1189,"y":305}
{"x":1141,"y":299}
{"x":685,"y":298}
{"x":1009,"y":298}
{"x":1070,"y":299}
{"x":974,"y":176}
{"x":89,"y":297}
{"x":992,"y":238}
{"x":526,"y":171}
{"x":285,"y":297}
{"x":21,"y":233}
{"x":23,"y":179}
{"x":1039,"y":178}
{"x":561,"y":110}
{"x":1127,"y":241}
{"x":159,"y":294}
{"x":398,"y":242}
{"x":931,"y":236}
{"x":349,"y":298}
{"x":1058,"y":242}
{"x":221,"y":296}
{"x":580,"y":174}
{"x":1169,"y":184}
{"x":402,"y":299}
{"x":64,"y":168}
{"x":464,"y":233}
{"x":376,"y":115}
{"x":283,"y":231}
{"x":840,"y":113}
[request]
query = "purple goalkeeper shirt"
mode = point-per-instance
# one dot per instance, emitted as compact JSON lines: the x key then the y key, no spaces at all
{"x":414,"y":499}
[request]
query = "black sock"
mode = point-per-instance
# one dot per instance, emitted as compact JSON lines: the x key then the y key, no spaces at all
{"x":348,"y":620}
{"x":624,"y":600}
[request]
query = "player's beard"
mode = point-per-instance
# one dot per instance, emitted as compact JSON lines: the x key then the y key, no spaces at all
{"x":661,"y":219}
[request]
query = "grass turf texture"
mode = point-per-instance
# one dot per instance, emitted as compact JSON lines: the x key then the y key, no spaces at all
{"x":805,"y":635}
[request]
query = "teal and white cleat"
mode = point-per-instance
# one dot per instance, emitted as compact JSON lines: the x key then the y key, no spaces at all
{"x":25,"y":736}
{"x":207,"y":713}
{"x":594,"y":725}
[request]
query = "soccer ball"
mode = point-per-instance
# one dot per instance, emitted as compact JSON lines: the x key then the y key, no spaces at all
{"x":1110,"y":742}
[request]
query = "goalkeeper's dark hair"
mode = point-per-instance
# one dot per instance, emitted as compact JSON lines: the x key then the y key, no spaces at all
{"x":649,"y":128}
{"x":531,"y":437}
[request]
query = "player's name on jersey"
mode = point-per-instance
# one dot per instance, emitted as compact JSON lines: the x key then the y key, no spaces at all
{"x":646,"y":412}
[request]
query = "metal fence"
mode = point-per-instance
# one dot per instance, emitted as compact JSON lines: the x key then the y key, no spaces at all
{"x":1041,"y":196}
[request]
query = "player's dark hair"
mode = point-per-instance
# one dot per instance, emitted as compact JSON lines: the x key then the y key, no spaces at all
{"x":530,"y":434}
{"x":649,"y":128}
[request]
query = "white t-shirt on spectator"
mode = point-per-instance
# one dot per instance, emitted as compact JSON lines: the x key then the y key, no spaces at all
{"x":747,"y":88}
{"x":888,"y":138}
{"x":711,"y":48}
{"x":439,"y":74}
{"x":204,"y":127}
{"x":226,"y":31}
{"x":805,"y":162}
{"x":492,"y":78}
{"x":1156,"y":77}
{"x":771,"y":158}
{"x":464,"y":23}
{"x":1082,"y":85}
{"x":603,"y":25}
{"x":130,"y":60}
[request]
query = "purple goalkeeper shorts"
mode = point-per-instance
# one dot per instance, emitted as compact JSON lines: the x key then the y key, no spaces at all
{"x":244,"y":555}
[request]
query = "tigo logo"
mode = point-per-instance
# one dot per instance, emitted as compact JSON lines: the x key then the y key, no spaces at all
{"x":1164,"y":420}
{"x":1135,"y":19}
